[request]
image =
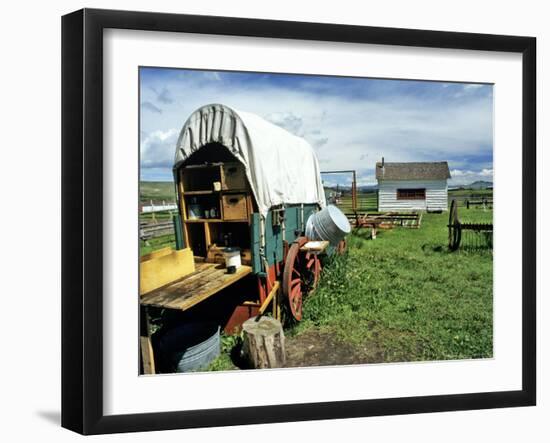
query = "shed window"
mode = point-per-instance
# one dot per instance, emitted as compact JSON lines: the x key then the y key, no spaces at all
{"x":411,"y":194}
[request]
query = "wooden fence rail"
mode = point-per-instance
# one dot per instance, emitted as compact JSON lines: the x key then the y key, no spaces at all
{"x":152,"y":230}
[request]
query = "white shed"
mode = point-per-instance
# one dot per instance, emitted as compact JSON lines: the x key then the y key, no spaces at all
{"x":418,"y":186}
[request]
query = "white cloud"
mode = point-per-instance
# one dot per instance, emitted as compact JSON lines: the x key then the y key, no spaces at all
{"x":158,"y":148}
{"x":470,"y":86}
{"x":464,"y":177}
{"x":459,"y":173}
{"x":212,"y":75}
{"x":288,"y":120}
{"x":346,"y":132}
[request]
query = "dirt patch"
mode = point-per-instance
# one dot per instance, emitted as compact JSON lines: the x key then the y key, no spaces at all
{"x":315,"y":348}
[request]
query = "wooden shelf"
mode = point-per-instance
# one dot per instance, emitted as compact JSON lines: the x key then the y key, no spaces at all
{"x":210,"y":192}
{"x":230,"y":204}
{"x":205,"y":165}
{"x":203,"y":220}
{"x":235,"y":191}
{"x":226,"y":191}
{"x":214,"y":220}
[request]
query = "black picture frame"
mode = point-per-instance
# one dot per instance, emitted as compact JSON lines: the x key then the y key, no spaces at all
{"x":82,"y":217}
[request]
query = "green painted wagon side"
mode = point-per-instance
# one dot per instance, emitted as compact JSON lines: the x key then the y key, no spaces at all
{"x":274,"y":247}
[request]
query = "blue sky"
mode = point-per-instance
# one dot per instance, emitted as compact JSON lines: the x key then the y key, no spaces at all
{"x":350,"y":122}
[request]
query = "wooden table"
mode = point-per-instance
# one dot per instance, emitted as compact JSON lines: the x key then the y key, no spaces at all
{"x":207,"y":280}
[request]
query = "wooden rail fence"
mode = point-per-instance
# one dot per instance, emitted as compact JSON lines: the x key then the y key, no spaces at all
{"x":152,"y":230}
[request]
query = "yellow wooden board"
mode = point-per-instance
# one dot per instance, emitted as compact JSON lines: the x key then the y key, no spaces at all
{"x":156,"y":254}
{"x":207,"y":280}
{"x":164,"y":268}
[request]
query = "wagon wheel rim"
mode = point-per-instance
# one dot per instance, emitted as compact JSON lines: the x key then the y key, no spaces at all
{"x":341,"y":247}
{"x":300,"y":275}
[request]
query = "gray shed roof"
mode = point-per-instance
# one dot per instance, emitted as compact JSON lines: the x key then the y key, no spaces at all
{"x":413,"y":171}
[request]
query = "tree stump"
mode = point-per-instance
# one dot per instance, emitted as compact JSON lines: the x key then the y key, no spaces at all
{"x":263,"y":343}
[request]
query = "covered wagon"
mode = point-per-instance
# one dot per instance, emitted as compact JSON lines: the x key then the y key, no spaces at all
{"x":246,"y":187}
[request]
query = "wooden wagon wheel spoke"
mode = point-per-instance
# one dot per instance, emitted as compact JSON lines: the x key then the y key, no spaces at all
{"x":296,"y":290}
{"x":295,"y":298}
{"x":341,"y":246}
{"x":316,"y":271}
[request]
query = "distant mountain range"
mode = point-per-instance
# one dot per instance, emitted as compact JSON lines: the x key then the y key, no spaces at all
{"x":479,"y":184}
{"x":158,"y":191}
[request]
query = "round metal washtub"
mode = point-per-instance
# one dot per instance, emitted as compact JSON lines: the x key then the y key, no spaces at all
{"x":190,"y":347}
{"x":328,"y":224}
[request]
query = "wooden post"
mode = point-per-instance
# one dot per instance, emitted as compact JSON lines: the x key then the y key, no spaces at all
{"x":263,"y":343}
{"x":147,"y":355}
{"x":354,"y":192}
{"x":178,"y":231}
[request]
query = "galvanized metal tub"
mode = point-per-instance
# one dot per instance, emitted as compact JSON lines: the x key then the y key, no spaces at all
{"x":328,"y":224}
{"x":190,"y":347}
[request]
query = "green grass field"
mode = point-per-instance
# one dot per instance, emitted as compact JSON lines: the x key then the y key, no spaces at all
{"x":470,"y":193}
{"x":402,"y":297}
{"x":157,"y":191}
{"x":156,"y":243}
{"x":405,"y":297}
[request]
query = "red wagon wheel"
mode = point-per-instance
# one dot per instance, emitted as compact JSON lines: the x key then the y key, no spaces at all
{"x":300,"y":276}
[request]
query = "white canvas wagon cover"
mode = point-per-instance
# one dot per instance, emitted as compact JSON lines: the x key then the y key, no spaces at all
{"x":281,"y":167}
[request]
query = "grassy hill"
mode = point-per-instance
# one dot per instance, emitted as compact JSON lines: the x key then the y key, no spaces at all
{"x":481,"y":184}
{"x":156,"y":191}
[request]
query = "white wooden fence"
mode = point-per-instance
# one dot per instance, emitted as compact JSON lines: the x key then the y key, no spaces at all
{"x":157,"y":207}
